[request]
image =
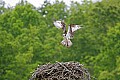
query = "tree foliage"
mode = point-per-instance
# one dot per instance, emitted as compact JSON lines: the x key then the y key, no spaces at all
{"x":28,"y":38}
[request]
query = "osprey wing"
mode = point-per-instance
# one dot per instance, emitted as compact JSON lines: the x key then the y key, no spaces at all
{"x":60,"y":25}
{"x":75,"y":27}
{"x":71,"y":29}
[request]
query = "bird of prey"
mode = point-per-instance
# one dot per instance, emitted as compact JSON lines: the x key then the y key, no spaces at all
{"x":67,"y":34}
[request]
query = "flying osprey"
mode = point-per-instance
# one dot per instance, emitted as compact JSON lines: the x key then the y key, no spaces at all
{"x":67,"y":35}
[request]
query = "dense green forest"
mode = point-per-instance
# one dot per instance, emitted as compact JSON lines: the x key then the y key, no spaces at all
{"x":28,"y":38}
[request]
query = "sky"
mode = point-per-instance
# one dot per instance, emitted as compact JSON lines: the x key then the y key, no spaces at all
{"x":38,"y":3}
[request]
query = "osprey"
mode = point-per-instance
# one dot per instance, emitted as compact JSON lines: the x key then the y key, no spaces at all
{"x":67,"y":34}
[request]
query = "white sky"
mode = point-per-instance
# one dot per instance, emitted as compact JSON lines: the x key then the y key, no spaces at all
{"x":37,"y":3}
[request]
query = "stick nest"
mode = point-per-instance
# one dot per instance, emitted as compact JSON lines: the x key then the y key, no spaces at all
{"x":61,"y":71}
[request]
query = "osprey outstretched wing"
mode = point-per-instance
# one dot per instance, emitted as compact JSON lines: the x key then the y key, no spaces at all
{"x":71,"y":29}
{"x":60,"y":25}
{"x":67,"y":35}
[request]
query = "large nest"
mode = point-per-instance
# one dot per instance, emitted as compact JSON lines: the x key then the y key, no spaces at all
{"x":61,"y":71}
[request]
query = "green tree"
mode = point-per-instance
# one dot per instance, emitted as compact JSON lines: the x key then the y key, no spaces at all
{"x":28,"y":37}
